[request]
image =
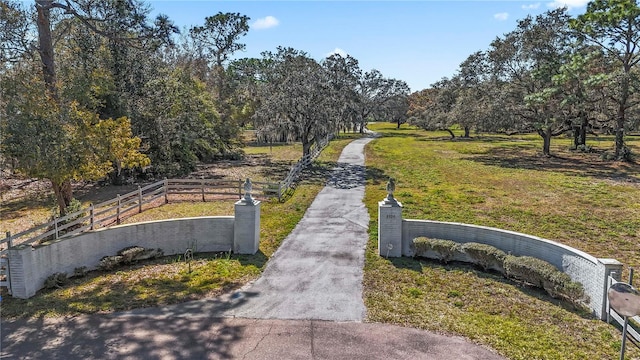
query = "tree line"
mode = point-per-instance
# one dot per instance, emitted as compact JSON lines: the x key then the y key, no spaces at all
{"x":95,"y":89}
{"x":552,"y":75}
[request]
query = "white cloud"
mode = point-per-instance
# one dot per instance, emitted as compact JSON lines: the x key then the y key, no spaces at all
{"x":337,"y":51}
{"x":531,"y":6}
{"x":501,"y":16}
{"x":570,"y":4}
{"x":265,"y":23}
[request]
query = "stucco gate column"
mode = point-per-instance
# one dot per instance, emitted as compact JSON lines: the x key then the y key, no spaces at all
{"x":246,"y":227}
{"x":390,"y":224}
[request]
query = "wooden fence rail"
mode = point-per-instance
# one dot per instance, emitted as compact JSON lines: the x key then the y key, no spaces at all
{"x":113,"y":211}
{"x":305,"y":161}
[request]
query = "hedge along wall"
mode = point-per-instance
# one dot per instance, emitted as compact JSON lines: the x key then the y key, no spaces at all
{"x":30,"y":266}
{"x":591,"y":272}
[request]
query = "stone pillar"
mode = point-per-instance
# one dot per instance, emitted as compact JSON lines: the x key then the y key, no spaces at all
{"x":246,"y":226}
{"x":607,"y":267}
{"x":390,"y":224}
{"x":21,"y":267}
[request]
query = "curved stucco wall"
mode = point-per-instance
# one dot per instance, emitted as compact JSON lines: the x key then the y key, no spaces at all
{"x":591,"y":272}
{"x":30,"y":266}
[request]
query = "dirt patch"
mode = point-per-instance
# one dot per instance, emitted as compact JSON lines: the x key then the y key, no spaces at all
{"x":26,"y":203}
{"x":258,"y":167}
{"x":14,"y":187}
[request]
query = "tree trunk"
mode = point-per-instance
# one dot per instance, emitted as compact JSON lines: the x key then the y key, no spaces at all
{"x":546,"y":137}
{"x":584,"y":126}
{"x":453,"y":136}
{"x":46,"y":47}
{"x":466,"y":132}
{"x":64,"y":195}
{"x":576,"y":136}
{"x":620,"y":120}
{"x":306,"y":148}
{"x":62,"y":189}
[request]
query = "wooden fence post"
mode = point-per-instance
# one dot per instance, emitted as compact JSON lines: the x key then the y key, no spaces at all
{"x":202,"y":189}
{"x":55,"y":225}
{"x":91,"y":216}
{"x":166,"y":190}
{"x":10,"y":242}
{"x":240,"y":189}
{"x":139,"y":199}
{"x":118,"y":210}
{"x":279,"y":192}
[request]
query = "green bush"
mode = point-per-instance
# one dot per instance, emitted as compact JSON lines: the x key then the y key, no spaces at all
{"x":127,"y":256}
{"x":109,"y":263}
{"x":56,"y":281}
{"x":582,"y":148}
{"x":487,"y":256}
{"x":73,"y":207}
{"x":444,"y":249}
{"x":559,"y":285}
{"x":542,"y":274}
{"x":528,"y":269}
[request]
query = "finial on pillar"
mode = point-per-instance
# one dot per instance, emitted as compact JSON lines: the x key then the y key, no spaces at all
{"x":391,"y":187}
{"x":247,"y":191}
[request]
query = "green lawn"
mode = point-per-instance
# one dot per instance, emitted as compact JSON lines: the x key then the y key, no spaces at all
{"x":503,"y":182}
{"x":498,"y":181}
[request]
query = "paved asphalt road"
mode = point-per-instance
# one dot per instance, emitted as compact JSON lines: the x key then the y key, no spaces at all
{"x":118,"y":336}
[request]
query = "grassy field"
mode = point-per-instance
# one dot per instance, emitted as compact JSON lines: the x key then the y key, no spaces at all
{"x":168,"y":280}
{"x":504,"y":182}
{"x":498,"y":181}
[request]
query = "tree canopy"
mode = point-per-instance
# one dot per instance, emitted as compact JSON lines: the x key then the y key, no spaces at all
{"x":551,"y":75}
{"x":91,"y":89}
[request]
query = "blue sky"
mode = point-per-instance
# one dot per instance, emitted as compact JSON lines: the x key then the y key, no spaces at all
{"x":416,"y":41}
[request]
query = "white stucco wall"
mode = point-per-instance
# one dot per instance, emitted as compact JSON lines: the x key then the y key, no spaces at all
{"x":591,"y":272}
{"x":30,"y":266}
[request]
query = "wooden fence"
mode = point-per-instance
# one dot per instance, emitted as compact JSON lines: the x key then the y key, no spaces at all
{"x":305,"y":161}
{"x":115,"y":210}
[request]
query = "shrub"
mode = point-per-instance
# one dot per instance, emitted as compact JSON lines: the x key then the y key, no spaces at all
{"x":625,"y":154}
{"x":528,"y":269}
{"x":542,"y":274}
{"x":584,"y":148}
{"x":559,"y":285}
{"x":73,"y":207}
{"x":487,"y":256}
{"x":55,"y":281}
{"x":445,"y":250}
{"x":128,"y":255}
{"x":108,"y":263}
{"x":131,"y":254}
{"x":80,"y":271}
